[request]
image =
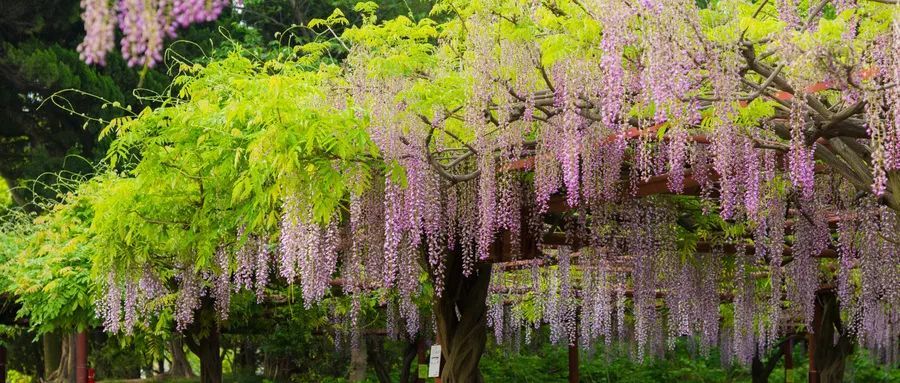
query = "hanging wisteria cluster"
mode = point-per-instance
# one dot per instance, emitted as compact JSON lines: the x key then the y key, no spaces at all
{"x":127,"y":300}
{"x":143,"y":25}
{"x":650,"y":271}
{"x":131,"y":301}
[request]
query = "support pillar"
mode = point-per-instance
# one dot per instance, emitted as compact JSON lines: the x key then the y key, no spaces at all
{"x":421,"y":359}
{"x":81,"y":354}
{"x":461,"y":318}
{"x":573,"y":363}
{"x":811,"y":342}
{"x":788,"y":359}
{"x":573,"y":352}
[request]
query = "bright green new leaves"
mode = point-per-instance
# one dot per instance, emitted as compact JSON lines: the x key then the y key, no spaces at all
{"x":398,"y":47}
{"x":221,"y":158}
{"x":49,"y":264}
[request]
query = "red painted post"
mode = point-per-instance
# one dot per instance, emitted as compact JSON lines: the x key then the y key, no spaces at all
{"x":811,"y":342}
{"x":81,"y":349}
{"x":2,"y":364}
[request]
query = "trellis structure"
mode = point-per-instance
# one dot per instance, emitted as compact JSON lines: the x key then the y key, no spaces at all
{"x":409,"y":147}
{"x":504,"y":257}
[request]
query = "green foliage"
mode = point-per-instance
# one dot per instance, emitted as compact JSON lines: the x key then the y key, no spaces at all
{"x":113,"y":358}
{"x":48,"y":266}
{"x":14,"y":376}
{"x":543,"y":362}
{"x":254,"y":122}
{"x":58,"y":68}
{"x":241,"y":136}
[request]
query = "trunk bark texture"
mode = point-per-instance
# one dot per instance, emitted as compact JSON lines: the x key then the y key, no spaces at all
{"x":210,"y":358}
{"x":760,"y":370}
{"x":81,"y":357}
{"x":52,"y":347}
{"x":205,"y":342}
{"x":462,"y":338}
{"x":62,"y":354}
{"x":408,"y":358}
{"x":830,"y":356}
{"x":180,"y":368}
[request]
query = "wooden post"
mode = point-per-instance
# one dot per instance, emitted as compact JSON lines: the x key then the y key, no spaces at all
{"x":811,"y":347}
{"x":422,"y":359}
{"x":811,"y":342}
{"x":573,"y":355}
{"x":2,"y":364}
{"x":81,"y":351}
{"x":573,"y":363}
{"x":788,"y":359}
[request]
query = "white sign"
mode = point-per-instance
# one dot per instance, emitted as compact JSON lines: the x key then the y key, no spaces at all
{"x":434,"y":363}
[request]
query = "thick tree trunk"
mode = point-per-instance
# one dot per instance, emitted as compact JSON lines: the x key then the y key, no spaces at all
{"x":52,"y":348}
{"x":830,"y":357}
{"x":573,"y":362}
{"x":64,"y":362}
{"x":462,"y":338}
{"x":180,"y":368}
{"x":210,"y":357}
{"x":760,"y":371}
{"x":358,"y":361}
{"x":408,"y":359}
{"x":205,"y":342}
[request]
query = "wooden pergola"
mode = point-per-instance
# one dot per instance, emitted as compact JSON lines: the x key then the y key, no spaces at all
{"x":505,"y":257}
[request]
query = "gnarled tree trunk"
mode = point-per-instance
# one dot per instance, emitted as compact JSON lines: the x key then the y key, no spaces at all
{"x":58,"y":356}
{"x":830,"y":357}
{"x":204,"y":340}
{"x":52,"y":351}
{"x":462,"y":338}
{"x":181,"y":368}
{"x":210,"y":357}
{"x":408,"y":357}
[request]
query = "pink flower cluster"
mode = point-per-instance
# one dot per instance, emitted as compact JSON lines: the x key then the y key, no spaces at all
{"x":143,"y":23}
